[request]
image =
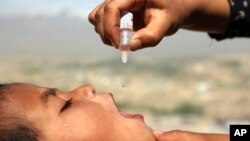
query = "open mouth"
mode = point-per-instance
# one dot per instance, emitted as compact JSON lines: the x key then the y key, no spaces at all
{"x":127,"y":115}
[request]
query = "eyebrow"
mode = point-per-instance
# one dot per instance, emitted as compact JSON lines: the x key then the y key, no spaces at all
{"x":44,"y":96}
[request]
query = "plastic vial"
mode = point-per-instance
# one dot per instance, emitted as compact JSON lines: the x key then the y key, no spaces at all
{"x":126,"y":33}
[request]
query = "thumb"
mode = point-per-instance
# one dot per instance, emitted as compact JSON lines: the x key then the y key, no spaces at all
{"x":142,"y":39}
{"x":135,"y":42}
{"x":149,"y":36}
{"x":157,"y":133}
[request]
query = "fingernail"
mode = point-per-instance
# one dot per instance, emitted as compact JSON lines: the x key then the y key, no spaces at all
{"x":157,"y":132}
{"x":135,"y":44}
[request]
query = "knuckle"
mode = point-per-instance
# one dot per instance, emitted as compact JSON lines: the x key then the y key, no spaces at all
{"x":91,"y":18}
{"x":108,"y":8}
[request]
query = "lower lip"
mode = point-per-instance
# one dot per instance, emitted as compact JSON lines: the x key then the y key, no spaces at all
{"x":132,"y":116}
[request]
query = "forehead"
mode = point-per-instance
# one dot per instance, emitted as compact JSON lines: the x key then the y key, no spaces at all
{"x":20,"y":86}
{"x":22,"y":99}
{"x":22,"y":94}
{"x":21,"y":89}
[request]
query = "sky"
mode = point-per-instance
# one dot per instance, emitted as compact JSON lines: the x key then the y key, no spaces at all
{"x":186,"y":42}
{"x":47,"y":7}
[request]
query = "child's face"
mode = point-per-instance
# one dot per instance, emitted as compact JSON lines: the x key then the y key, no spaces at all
{"x":86,"y":116}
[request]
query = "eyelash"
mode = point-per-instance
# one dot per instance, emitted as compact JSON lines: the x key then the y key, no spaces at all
{"x":66,"y":105}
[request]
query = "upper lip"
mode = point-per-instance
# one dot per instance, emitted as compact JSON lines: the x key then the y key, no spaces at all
{"x":113,"y":100}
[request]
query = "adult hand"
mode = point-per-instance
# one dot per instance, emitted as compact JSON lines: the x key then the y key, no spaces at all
{"x":177,"y":135}
{"x":153,"y":19}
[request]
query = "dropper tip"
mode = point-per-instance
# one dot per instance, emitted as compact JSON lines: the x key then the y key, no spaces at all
{"x":124,"y":56}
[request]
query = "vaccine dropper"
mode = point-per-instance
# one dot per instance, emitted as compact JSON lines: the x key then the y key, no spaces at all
{"x":126,"y":32}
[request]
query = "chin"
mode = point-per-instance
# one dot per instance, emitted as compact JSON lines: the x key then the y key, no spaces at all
{"x":143,"y":132}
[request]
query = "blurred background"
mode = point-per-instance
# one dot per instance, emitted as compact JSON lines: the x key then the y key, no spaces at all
{"x":187,"y":82}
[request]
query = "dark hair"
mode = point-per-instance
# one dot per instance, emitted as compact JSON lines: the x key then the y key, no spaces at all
{"x":13,"y":127}
{"x":19,"y":133}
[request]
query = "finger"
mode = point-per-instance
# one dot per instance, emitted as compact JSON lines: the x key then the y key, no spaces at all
{"x":157,"y":133}
{"x":92,"y":14}
{"x":126,"y":5}
{"x":111,"y":24}
{"x":152,"y":34}
{"x":174,"y":135}
{"x":164,"y":136}
{"x":99,"y":16}
{"x":112,"y":17}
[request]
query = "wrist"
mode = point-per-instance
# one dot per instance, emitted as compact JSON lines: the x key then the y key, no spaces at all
{"x":208,"y":16}
{"x":192,"y":8}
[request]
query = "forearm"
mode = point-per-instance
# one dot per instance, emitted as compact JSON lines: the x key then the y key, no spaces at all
{"x":211,"y":16}
{"x":178,"y":135}
{"x":215,"y":137}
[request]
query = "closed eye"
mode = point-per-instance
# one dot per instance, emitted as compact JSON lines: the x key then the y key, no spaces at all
{"x":66,"y":105}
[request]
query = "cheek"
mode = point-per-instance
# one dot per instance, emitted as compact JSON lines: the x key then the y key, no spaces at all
{"x":90,"y":123}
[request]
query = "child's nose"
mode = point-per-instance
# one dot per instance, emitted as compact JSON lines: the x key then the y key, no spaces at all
{"x":85,"y":91}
